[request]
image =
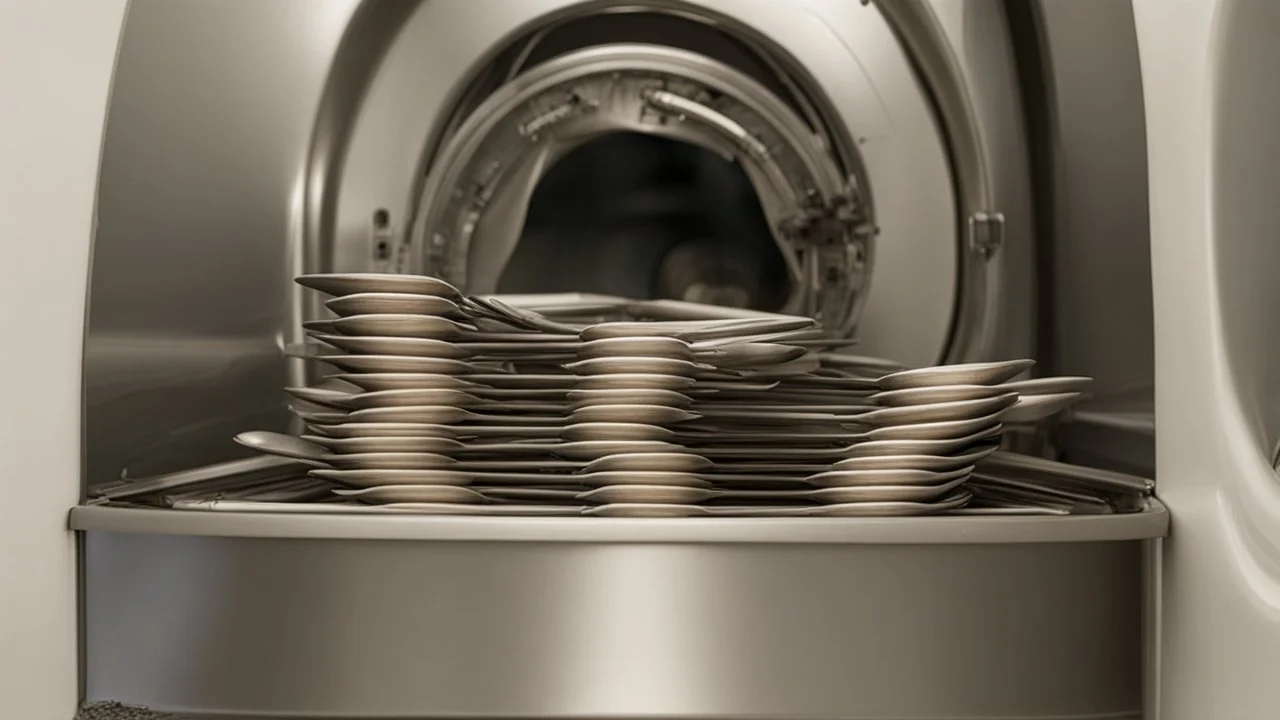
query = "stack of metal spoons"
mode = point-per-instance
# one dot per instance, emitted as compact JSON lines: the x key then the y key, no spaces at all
{"x":633,"y":385}
{"x":449,"y":404}
{"x":430,"y":415}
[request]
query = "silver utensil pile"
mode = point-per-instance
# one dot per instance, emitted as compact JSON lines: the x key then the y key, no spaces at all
{"x":450,"y":404}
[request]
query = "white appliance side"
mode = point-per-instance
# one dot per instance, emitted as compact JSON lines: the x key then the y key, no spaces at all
{"x":1209,"y":71}
{"x":56,"y":60}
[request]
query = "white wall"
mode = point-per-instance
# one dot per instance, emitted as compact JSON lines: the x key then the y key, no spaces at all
{"x":56,"y":58}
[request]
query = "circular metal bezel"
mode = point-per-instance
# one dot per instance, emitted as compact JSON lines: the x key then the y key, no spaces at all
{"x":870,"y":73}
{"x":495,"y":158}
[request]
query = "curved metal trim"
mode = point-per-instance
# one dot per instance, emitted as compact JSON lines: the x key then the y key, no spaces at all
{"x":635,"y":57}
{"x":820,"y":166}
{"x":917,"y":28}
{"x":806,"y":91}
{"x":1152,"y":522}
{"x":369,"y":35}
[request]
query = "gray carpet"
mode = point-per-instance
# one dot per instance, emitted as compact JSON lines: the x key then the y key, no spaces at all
{"x":116,"y":711}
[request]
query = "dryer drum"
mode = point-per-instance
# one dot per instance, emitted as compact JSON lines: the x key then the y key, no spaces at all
{"x":477,"y":195}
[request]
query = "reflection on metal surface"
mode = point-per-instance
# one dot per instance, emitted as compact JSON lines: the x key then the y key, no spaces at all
{"x":379,"y":628}
{"x":1090,"y":173}
{"x":918,"y":28}
{"x":203,"y":151}
{"x":372,"y":29}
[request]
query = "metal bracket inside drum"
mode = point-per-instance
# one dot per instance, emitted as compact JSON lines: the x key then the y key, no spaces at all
{"x":821,"y":221}
{"x":986,"y":233}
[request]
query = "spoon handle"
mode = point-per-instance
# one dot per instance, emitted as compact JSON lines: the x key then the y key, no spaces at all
{"x":755,"y":479}
{"x":518,"y":477}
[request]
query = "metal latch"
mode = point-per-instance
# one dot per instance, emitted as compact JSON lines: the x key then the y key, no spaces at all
{"x":381,"y":239}
{"x":831,"y":238}
{"x":986,"y":233}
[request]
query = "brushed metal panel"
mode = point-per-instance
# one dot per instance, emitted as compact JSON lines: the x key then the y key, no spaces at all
{"x":927,"y":530}
{"x":1102,"y":250}
{"x":376,"y":628}
{"x":994,"y":316}
{"x":1098,"y":244}
{"x":199,"y":203}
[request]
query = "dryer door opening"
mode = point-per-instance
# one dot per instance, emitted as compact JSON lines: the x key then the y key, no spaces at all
{"x":869,"y":199}
{"x":796,"y":236}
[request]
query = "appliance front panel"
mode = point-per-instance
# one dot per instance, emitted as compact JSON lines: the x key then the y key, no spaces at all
{"x":250,"y":140}
{"x":200,"y":215}
{"x":358,"y":628}
{"x":1212,"y":109}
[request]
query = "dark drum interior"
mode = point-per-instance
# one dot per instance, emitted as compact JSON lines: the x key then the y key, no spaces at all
{"x":649,"y":217}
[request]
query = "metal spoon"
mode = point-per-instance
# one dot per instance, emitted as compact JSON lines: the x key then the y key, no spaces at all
{"x":370,"y":303}
{"x":335,"y":399}
{"x":414,"y":494}
{"x":386,"y":444}
{"x":984,"y":373}
{"x":1033,"y":408}
{"x":377,"y":381}
{"x":290,"y":446}
{"x":412,"y":397}
{"x":425,"y":429}
{"x":635,"y":413}
{"x":436,"y":476}
{"x":385,"y":345}
{"x":642,"y":461}
{"x":628,"y":396}
{"x":953,"y":411}
{"x":443,"y":414}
